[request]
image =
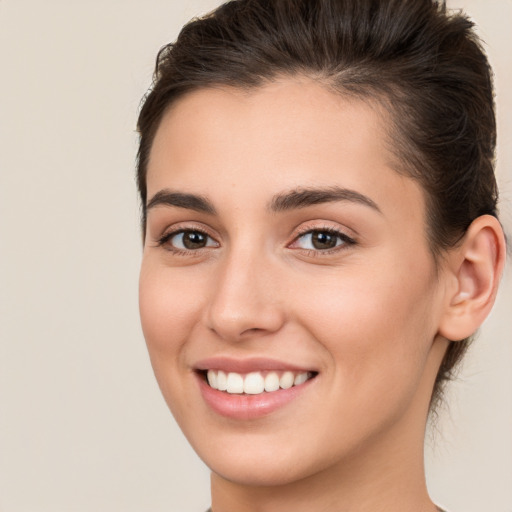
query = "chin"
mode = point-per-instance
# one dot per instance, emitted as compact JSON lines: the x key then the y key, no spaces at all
{"x":257,"y":473}
{"x":255,"y":459}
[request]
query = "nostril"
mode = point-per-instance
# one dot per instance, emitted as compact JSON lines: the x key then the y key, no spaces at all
{"x":252,"y":330}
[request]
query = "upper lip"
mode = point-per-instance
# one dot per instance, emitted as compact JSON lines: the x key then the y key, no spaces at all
{"x":248,"y":365}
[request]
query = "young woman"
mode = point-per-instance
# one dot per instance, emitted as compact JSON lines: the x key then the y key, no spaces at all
{"x":320,"y":242}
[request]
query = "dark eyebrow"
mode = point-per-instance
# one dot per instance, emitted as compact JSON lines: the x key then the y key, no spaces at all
{"x":304,"y":197}
{"x":166,"y":197}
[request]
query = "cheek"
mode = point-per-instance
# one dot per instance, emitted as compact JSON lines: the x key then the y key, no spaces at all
{"x":168,"y":310}
{"x":377,"y":325}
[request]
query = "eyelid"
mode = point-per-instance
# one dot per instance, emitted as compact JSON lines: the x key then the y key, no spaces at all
{"x":174,"y":234}
{"x":346,"y":239}
{"x":185,"y":227}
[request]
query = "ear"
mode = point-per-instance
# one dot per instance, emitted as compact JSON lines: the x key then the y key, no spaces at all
{"x":475,"y":266}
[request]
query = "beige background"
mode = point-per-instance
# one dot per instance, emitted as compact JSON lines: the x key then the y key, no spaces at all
{"x":82,"y":424}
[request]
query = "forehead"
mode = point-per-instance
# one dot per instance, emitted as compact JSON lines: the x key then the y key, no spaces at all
{"x":289,"y":133}
{"x":280,"y":113}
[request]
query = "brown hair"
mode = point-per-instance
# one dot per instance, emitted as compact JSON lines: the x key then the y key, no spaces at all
{"x":425,"y":65}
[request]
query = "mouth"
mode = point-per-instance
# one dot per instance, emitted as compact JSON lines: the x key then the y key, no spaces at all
{"x":250,"y":389}
{"x":255,"y":382}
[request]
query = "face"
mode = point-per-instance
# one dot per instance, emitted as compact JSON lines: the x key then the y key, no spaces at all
{"x":287,"y":261}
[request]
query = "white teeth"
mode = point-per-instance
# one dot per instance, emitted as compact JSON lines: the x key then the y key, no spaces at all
{"x":212,"y":378}
{"x":286,"y":380}
{"x":222,"y":381}
{"x":235,"y":383}
{"x":300,"y":379}
{"x":254,"y":383}
{"x":272,"y":382}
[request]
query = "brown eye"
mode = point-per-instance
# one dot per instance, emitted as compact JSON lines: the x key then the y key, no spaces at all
{"x":194,"y":240}
{"x":190,"y":240}
{"x":322,"y":240}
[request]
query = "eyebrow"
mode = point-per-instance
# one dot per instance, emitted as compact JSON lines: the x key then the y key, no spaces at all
{"x":304,"y":197}
{"x":292,"y":200}
{"x":181,"y":200}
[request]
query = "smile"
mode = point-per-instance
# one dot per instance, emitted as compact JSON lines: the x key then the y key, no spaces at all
{"x":251,"y":389}
{"x":255,"y":383}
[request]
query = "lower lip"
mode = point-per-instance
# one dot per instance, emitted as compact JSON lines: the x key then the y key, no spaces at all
{"x":248,"y":407}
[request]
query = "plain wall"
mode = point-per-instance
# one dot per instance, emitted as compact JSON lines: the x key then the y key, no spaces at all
{"x":82,"y":424}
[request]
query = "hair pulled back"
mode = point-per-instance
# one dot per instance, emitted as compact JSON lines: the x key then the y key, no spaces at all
{"x":423,"y":64}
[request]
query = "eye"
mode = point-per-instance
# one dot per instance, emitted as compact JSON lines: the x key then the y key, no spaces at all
{"x":322,"y":240}
{"x":188,"y":240}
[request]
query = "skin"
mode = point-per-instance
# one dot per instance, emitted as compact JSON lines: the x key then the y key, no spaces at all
{"x":367,"y":316}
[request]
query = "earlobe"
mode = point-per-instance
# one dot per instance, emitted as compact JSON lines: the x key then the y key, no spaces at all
{"x":476,"y":264}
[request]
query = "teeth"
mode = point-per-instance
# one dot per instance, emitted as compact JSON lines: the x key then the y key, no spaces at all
{"x":300,"y":379}
{"x":254,"y":383}
{"x":212,"y":379}
{"x":286,"y":380}
{"x":222,"y":381}
{"x":272,"y":382}
{"x":235,"y":383}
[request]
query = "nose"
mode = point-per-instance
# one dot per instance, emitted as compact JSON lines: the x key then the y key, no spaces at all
{"x":246,"y":299}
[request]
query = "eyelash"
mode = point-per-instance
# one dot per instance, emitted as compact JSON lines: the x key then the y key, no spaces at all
{"x":344,"y":238}
{"x":166,"y":237}
{"x":346,"y":241}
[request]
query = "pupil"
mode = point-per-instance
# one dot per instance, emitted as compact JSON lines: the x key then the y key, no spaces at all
{"x":194,"y":240}
{"x":323,"y":240}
